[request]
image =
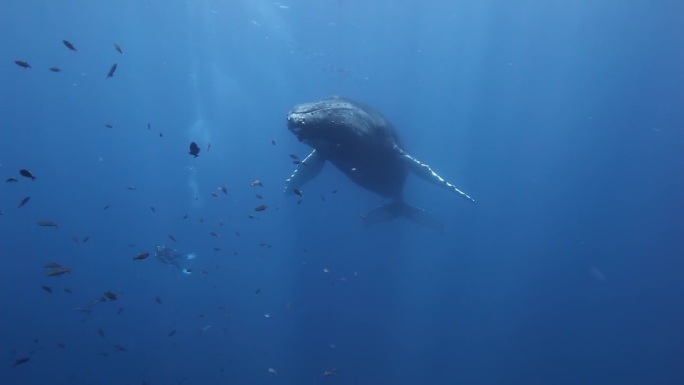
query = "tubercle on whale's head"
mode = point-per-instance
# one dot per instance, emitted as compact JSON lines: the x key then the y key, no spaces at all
{"x":322,"y":120}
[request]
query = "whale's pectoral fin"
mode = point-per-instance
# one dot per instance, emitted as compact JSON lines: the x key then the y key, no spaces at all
{"x":394,"y":210}
{"x":307,"y":170}
{"x":424,"y":171}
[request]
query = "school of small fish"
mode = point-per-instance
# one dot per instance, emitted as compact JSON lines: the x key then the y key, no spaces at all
{"x":58,"y":276}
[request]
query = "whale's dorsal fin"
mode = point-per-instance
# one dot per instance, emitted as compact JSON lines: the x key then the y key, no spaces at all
{"x":307,"y":170}
{"x":424,"y":171}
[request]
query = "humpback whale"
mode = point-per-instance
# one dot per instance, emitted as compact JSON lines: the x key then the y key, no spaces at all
{"x":364,"y":145}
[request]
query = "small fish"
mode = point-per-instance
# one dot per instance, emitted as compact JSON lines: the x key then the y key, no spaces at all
{"x":69,"y":45}
{"x":47,"y":288}
{"x":172,"y":332}
{"x":86,"y":238}
{"x":52,"y":265}
{"x":106,"y":207}
{"x":208,"y":146}
{"x":20,"y":361}
{"x":224,"y":189}
{"x":256,"y":182}
{"x":101,"y":333}
{"x":185,"y":216}
{"x":67,"y":290}
{"x":158,"y":300}
{"x":57,"y":271}
{"x":23,"y":201}
{"x":149,"y":126}
{"x":141,"y":256}
{"x":214,"y":194}
{"x":217,"y":249}
{"x":153,"y":209}
{"x":161,"y":135}
{"x":273,"y":142}
{"x":257,"y":291}
{"x":271,"y":370}
{"x":111,"y":296}
{"x":61,"y":345}
{"x":194,"y":149}
{"x":75,"y":239}
{"x":323,"y":197}
{"x":297,"y":162}
{"x":298,"y":192}
{"x":109,"y":125}
{"x":120,"y":348}
{"x":111,"y":71}
{"x":171,"y":237}
{"x":294,"y":156}
{"x":121,"y":309}
{"x":132,"y":188}
{"x":46,"y":223}
{"x":26,"y":173}
{"x":260,"y":208}
{"x":55,"y":69}
{"x":22,"y":64}
{"x":214,"y":234}
{"x":259,"y":196}
{"x":11,"y":180}
{"x":118,"y":48}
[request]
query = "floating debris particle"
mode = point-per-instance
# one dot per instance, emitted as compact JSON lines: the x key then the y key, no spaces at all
{"x":118,"y":48}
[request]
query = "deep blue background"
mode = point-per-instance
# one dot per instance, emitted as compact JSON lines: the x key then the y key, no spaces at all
{"x":563,"y":119}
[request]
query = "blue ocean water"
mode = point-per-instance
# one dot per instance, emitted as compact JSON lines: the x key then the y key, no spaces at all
{"x":562,"y":119}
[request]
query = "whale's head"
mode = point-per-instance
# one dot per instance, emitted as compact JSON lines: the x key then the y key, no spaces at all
{"x":328,"y":122}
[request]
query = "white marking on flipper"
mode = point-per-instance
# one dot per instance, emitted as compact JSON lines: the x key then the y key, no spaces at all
{"x":424,"y":171}
{"x":307,"y":170}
